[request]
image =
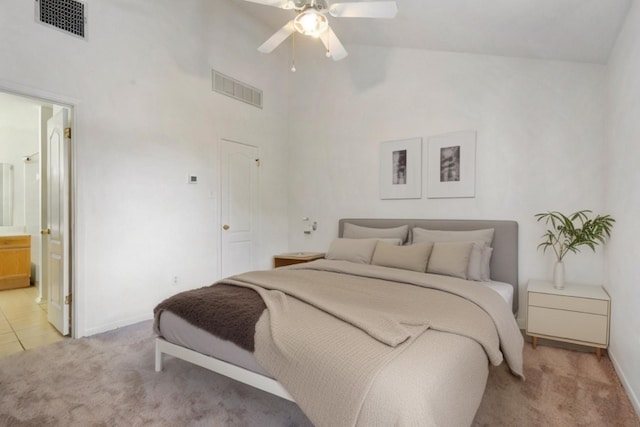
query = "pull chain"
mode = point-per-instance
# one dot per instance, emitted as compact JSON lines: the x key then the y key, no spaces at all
{"x":328,"y":54}
{"x":293,"y":52}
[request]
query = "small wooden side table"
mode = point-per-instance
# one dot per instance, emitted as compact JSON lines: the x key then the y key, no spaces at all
{"x":295,"y":258}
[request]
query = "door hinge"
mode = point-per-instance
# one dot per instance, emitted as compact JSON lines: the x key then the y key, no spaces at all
{"x":67,"y":133}
{"x":67,"y":299}
{"x":258,"y":162}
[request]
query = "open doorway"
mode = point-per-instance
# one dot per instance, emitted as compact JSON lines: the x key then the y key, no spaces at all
{"x":35,"y":206}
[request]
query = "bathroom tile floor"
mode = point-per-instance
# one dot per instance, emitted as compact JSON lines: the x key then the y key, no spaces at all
{"x":23,"y":322}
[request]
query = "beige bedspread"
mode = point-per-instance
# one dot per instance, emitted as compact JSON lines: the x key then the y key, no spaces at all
{"x":333,"y":331}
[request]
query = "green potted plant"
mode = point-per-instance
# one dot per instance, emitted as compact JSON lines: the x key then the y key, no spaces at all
{"x":568,"y":233}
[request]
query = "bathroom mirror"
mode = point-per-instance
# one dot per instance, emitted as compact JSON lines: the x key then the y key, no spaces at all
{"x":6,"y":194}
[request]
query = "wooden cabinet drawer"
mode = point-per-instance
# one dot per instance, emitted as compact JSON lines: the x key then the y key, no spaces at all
{"x":587,"y":327}
{"x":15,"y":241}
{"x":15,"y":261}
{"x":584,"y":305}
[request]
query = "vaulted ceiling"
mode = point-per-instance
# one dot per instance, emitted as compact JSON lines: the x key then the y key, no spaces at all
{"x":572,"y":30}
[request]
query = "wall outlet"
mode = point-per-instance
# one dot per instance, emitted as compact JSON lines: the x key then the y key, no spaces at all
{"x":174,"y":281}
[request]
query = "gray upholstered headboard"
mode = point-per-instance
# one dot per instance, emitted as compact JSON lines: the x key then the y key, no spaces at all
{"x":504,"y":261}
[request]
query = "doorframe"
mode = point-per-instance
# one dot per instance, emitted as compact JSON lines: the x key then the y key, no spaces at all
{"x":77,"y":312}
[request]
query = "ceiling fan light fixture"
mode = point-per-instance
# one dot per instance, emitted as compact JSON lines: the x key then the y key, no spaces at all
{"x":311,"y":23}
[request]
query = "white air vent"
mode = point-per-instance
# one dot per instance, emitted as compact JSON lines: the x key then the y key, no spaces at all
{"x":66,"y":15}
{"x":236,"y":89}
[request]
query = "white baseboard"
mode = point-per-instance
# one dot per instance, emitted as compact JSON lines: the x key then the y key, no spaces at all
{"x":625,"y":383}
{"x":115,"y":325}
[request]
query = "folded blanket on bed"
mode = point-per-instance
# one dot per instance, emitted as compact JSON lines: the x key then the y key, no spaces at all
{"x":228,"y":312}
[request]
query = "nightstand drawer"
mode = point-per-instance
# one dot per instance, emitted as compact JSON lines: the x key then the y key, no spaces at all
{"x":584,"y":305}
{"x":283,"y":260}
{"x":590,"y":328}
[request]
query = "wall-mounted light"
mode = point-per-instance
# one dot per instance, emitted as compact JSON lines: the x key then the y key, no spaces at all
{"x":309,"y":227}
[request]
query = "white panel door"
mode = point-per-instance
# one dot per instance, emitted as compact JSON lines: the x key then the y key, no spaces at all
{"x":238,"y":207}
{"x":57,"y":278}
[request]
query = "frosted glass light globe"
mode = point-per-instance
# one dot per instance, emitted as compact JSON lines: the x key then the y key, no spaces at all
{"x":311,"y":23}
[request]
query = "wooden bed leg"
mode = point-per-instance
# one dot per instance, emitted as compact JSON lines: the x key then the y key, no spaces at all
{"x":598,"y":353}
{"x":534,"y":342}
{"x":158,"y":358}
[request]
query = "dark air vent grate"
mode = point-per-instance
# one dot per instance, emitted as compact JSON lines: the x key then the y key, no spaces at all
{"x":66,"y":15}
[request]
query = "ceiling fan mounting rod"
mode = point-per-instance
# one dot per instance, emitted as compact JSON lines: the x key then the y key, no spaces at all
{"x":304,"y":5}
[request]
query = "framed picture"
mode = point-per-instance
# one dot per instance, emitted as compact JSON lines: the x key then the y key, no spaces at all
{"x":452,"y":165}
{"x":401,"y":169}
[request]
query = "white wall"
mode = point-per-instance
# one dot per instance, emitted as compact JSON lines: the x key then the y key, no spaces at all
{"x":540,"y":141}
{"x":146,"y":117}
{"x":19,"y":136}
{"x":623,"y":200}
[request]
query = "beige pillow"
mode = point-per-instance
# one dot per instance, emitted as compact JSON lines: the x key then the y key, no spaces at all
{"x":413,"y":257}
{"x":450,"y":258}
{"x":354,"y":250}
{"x":352,"y":231}
{"x":486,"y":264}
{"x":423,"y":235}
{"x":482,"y":239}
{"x":474,"y":269}
{"x":394,"y":242}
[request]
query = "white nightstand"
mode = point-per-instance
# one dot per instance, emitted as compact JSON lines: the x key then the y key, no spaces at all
{"x":578,"y":314}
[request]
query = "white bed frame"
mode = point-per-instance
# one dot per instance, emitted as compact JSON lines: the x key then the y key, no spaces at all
{"x":272,"y":386}
{"x":221,"y":367}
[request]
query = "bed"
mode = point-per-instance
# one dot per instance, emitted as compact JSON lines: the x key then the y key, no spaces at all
{"x":362,"y":341}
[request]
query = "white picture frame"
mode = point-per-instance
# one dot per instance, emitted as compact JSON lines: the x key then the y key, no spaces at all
{"x":401,"y":169}
{"x":451,"y":170}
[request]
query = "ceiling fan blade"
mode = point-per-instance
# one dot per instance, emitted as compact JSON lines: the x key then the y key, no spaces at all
{"x":275,"y":40}
{"x":333,"y":45}
{"x":371,"y":9}
{"x":282,"y":4}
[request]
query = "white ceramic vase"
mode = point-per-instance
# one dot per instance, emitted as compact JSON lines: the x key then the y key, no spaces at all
{"x":558,"y":275}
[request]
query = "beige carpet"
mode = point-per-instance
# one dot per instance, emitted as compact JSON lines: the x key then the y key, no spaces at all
{"x":108,"y":380}
{"x":562,"y":388}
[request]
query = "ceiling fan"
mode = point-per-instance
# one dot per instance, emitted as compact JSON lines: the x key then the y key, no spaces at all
{"x":311,"y":20}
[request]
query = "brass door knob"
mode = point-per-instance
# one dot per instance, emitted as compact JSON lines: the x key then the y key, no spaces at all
{"x":225,"y":227}
{"x":45,"y":231}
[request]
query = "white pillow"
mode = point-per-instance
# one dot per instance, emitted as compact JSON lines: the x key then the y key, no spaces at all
{"x":413,"y":257}
{"x":450,"y":258}
{"x":352,"y":231}
{"x":354,"y":250}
